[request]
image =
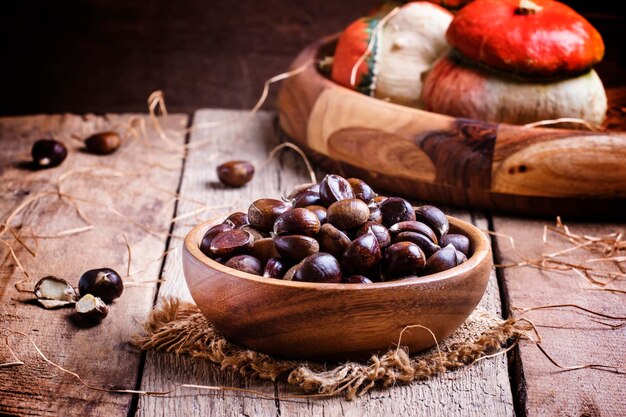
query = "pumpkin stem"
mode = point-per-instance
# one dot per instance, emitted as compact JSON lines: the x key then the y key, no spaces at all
{"x":527,"y":7}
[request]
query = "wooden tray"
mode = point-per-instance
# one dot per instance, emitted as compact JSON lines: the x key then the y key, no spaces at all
{"x":442,"y":159}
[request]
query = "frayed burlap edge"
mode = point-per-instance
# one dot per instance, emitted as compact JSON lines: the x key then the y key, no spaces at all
{"x":179,"y":327}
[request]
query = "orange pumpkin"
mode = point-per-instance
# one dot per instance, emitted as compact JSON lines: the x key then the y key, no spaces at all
{"x":538,"y":38}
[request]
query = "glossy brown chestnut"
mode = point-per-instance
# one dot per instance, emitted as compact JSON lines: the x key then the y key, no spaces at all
{"x":103,"y":143}
{"x":348,"y":213}
{"x":296,"y":247}
{"x":426,"y":245}
{"x":332,"y":240}
{"x":238,"y":219}
{"x":235,"y":173}
{"x":319,"y":267}
{"x":361,"y":190}
{"x":298,"y":221}
{"x":302,"y":188}
{"x":379,"y":199}
{"x":306,"y":198}
{"x":460,"y":242}
{"x":319,"y":211}
{"x":245,"y":263}
{"x":442,"y":260}
{"x":362,"y":256}
{"x":275,"y":268}
{"x":256,"y":235}
{"x":263,"y":213}
{"x":48,"y":153}
{"x":402,"y":259}
{"x":104,"y":283}
{"x":434,"y":218}
{"x":414,"y":226}
{"x":264,"y":249}
{"x":205,"y":244}
{"x":380,"y":231}
{"x":376,"y":215}
{"x":395,"y":210}
{"x":356,"y":279}
{"x":231,"y":242}
{"x":335,"y":188}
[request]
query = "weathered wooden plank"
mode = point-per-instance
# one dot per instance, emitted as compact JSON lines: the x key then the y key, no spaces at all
{"x":574,"y":339}
{"x":481,"y":389}
{"x":126,"y":181}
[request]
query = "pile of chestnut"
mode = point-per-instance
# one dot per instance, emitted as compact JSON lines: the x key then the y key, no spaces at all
{"x":336,"y":231}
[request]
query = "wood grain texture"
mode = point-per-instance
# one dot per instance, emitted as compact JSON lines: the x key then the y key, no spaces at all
{"x":100,"y":354}
{"x":481,"y":389}
{"x":461,"y":162}
{"x":573,"y":338}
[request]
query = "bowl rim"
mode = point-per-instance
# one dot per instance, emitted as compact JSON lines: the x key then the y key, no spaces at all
{"x":482,"y":250}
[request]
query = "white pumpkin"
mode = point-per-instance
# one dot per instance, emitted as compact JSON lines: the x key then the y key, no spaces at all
{"x":459,"y":89}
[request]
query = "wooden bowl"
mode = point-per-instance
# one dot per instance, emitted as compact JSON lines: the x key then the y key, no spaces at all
{"x":453,"y":161}
{"x":335,"y":321}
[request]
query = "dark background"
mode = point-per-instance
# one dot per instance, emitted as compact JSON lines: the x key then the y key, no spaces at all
{"x":107,"y":56}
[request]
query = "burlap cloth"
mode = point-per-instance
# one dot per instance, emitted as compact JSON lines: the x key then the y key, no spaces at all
{"x":179,"y":327}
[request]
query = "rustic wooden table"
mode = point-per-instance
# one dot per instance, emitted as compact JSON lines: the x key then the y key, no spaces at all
{"x":150,"y":194}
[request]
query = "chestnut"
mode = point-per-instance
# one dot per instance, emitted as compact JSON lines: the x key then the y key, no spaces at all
{"x":319,"y":211}
{"x":319,"y":267}
{"x":314,"y":187}
{"x":356,"y":279}
{"x":402,"y":259}
{"x":53,"y":292}
{"x":332,"y":240}
{"x":395,"y":210}
{"x":103,"y":143}
{"x":231,"y":242}
{"x":235,"y":173}
{"x":460,"y":257}
{"x":361,"y":190}
{"x":434,"y":218}
{"x":362,"y":256}
{"x":256,"y":235}
{"x":245,"y":263}
{"x":380,"y":231}
{"x":275,"y":268}
{"x":306,"y":198}
{"x":104,"y":283}
{"x":205,"y":244}
{"x":426,"y":245}
{"x":296,"y":247}
{"x":460,"y":242}
{"x":298,"y":221}
{"x":379,"y":199}
{"x":335,"y":188}
{"x":348,"y":213}
{"x":48,"y":153}
{"x":376,"y":215}
{"x":264,"y":249}
{"x":442,"y":260}
{"x":263,"y":213}
{"x":414,"y":226}
{"x":91,"y":308}
{"x":238,"y":219}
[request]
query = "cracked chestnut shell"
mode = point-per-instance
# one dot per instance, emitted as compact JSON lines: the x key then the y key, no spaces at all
{"x":103,"y":283}
{"x":205,"y":244}
{"x":48,"y":153}
{"x":395,"y":210}
{"x":263,"y":213}
{"x":442,"y":260}
{"x":361,"y":190}
{"x":103,"y":143}
{"x":335,"y":188}
{"x":298,"y":221}
{"x":362,"y":256}
{"x":332,"y":240}
{"x":434,"y":218}
{"x":231,"y":242}
{"x":245,"y":263}
{"x":402,"y":259}
{"x":460,"y":242}
{"x":319,"y":267}
{"x":296,"y":247}
{"x":348,"y":213}
{"x":91,"y":308}
{"x":235,"y":173}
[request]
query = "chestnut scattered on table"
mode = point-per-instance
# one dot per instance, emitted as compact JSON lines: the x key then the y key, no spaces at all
{"x":337,"y":231}
{"x":48,"y":153}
